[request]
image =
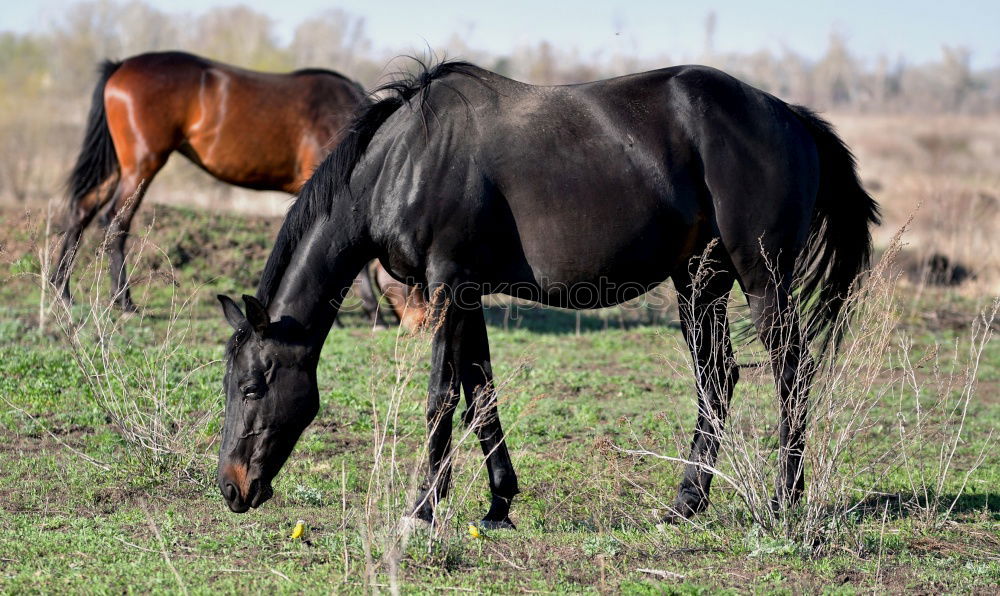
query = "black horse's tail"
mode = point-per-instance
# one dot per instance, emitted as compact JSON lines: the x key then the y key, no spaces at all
{"x":97,"y":160}
{"x":840,"y":243}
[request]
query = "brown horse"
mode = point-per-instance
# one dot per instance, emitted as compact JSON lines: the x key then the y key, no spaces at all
{"x":257,"y":130}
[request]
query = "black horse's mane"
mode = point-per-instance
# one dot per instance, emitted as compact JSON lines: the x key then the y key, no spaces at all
{"x":317,"y":196}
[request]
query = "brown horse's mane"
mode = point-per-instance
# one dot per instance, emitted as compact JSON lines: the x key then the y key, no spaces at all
{"x":334,"y":173}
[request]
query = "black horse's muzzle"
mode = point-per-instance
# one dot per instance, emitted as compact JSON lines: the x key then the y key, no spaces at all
{"x":240,"y":501}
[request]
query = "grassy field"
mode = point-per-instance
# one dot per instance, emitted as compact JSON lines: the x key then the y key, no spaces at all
{"x":109,"y":427}
{"x":85,"y":507}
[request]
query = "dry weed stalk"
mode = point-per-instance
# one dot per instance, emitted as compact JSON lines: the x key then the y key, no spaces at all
{"x":133,"y":380}
{"x":39,"y":254}
{"x":941,"y":400}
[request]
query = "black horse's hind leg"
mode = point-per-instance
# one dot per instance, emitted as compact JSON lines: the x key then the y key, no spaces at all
{"x":777,"y":323}
{"x":481,"y":414}
{"x":460,"y":357}
{"x":703,"y":295}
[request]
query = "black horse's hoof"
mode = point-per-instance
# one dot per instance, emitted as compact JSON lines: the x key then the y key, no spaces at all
{"x":684,"y":507}
{"x":492,"y":524}
{"x":784,"y":503}
{"x":127,"y":307}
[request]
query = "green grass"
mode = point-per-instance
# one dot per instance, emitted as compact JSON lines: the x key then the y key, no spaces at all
{"x":586,"y":516}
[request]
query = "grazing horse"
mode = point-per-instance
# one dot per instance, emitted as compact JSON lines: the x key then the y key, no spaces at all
{"x":577,"y":196}
{"x":257,"y":130}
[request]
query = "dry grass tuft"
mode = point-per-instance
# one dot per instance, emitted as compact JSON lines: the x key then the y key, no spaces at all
{"x":849,"y":449}
{"x":945,"y":169}
{"x":134,"y":380}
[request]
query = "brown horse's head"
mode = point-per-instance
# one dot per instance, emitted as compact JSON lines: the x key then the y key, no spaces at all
{"x":271,"y":397}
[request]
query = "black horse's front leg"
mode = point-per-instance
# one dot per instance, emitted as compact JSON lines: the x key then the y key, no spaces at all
{"x":481,"y":414}
{"x":460,"y":357}
{"x":442,"y":400}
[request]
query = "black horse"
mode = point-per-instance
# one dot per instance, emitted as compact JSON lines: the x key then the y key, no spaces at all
{"x":578,"y":196}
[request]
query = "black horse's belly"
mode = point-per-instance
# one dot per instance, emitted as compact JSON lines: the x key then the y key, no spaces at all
{"x":600,"y":283}
{"x":582,"y":295}
{"x":595,"y":263}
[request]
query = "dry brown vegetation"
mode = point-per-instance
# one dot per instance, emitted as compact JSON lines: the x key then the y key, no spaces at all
{"x":944,"y":171}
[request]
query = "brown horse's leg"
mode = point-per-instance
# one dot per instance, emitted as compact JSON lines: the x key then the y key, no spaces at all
{"x":145,"y":132}
{"x":77,"y":218}
{"x":392,"y":291}
{"x":118,"y":219}
{"x":406,"y":301}
{"x":369,"y":302}
{"x":702,"y":300}
{"x":414,"y":309}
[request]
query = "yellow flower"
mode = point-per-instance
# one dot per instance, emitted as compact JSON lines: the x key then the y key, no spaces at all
{"x":474,"y":531}
{"x":300,"y":528}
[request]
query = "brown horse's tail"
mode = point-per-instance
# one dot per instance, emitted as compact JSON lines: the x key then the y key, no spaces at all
{"x":840,"y":242}
{"x":97,"y":160}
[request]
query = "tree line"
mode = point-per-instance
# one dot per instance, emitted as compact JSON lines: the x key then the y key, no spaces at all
{"x":46,"y":76}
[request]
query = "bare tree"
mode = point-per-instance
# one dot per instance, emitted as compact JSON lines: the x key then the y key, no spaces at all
{"x":956,"y":75}
{"x":333,"y":39}
{"x":239,"y":35}
{"x":83,"y":35}
{"x":708,"y":52}
{"x":835,"y":75}
{"x":142,"y":28}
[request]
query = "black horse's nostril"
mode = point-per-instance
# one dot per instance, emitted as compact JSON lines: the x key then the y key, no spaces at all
{"x":230,"y":492}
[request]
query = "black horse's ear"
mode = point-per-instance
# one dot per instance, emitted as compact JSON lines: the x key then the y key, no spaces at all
{"x":232,"y":312}
{"x":256,"y":314}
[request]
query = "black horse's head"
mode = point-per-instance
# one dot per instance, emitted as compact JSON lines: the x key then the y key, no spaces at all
{"x":271,"y":397}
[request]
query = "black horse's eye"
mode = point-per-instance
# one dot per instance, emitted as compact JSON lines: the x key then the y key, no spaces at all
{"x":253,"y":391}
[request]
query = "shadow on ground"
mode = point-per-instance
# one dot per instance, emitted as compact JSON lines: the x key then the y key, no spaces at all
{"x":903,"y":505}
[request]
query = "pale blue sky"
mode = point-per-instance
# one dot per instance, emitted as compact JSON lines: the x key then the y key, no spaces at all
{"x":915,"y":29}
